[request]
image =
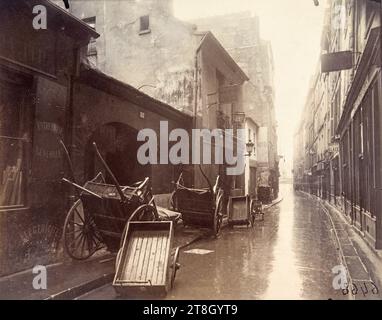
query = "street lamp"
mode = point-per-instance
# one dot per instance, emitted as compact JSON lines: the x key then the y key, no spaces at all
{"x":238,"y":119}
{"x":250,"y":147}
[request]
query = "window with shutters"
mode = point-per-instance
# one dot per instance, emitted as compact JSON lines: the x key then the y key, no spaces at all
{"x":92,"y":46}
{"x":144,"y":24}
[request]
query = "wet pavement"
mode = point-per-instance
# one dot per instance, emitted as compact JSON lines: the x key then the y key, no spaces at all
{"x":289,"y":255}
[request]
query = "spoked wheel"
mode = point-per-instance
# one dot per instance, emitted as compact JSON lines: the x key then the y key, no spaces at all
{"x":81,"y":236}
{"x":174,"y":266}
{"x":146,"y":212}
{"x":218,"y":216}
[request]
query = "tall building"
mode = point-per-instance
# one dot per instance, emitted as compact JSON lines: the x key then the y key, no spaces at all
{"x":348,"y":118}
{"x":144,"y":45}
{"x":240,"y":35}
{"x":35,"y":102}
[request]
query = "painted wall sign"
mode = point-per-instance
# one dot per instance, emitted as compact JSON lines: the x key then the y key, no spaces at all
{"x":49,"y":128}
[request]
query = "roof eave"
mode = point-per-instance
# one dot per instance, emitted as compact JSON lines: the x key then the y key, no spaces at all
{"x":86,"y":30}
{"x":89,"y":77}
{"x":209,"y":35}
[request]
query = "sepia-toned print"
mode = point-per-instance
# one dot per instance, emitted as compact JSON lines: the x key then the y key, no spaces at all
{"x":175,"y":150}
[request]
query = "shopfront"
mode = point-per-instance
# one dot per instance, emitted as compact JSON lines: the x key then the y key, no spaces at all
{"x":36,"y":71}
{"x":361,"y":155}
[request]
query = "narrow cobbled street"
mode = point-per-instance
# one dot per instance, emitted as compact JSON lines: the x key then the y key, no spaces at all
{"x":289,"y":255}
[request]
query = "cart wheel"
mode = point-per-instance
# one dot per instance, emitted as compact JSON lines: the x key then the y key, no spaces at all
{"x":218,"y":217}
{"x":175,"y":266}
{"x":145,"y":212}
{"x":81,"y":236}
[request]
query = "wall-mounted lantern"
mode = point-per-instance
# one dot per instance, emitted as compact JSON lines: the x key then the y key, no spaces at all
{"x":250,"y":147}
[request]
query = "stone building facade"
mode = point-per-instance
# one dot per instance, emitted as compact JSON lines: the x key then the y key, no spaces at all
{"x":349,"y":160}
{"x":37,"y":72}
{"x":143,"y":44}
{"x":240,"y":35}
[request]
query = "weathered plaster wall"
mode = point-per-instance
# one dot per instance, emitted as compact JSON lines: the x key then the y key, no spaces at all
{"x":160,"y":62}
{"x":240,"y":35}
{"x":95,"y":108}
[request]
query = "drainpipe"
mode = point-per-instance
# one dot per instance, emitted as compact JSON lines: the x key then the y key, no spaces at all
{"x":70,"y":112}
{"x":196,"y":92}
{"x":195,"y":88}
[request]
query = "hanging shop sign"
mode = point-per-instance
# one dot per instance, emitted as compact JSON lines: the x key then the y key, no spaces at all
{"x":336,"y":61}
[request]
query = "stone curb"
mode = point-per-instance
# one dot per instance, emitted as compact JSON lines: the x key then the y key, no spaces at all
{"x":83,"y":288}
{"x":277,"y":201}
{"x":74,"y":292}
{"x":333,"y":212}
{"x":86,"y":287}
{"x":336,"y":238}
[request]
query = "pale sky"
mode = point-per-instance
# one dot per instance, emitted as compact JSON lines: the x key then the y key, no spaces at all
{"x":294,"y":29}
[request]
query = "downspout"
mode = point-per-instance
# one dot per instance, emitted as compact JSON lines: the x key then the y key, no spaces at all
{"x":70,"y":112}
{"x":196,"y":92}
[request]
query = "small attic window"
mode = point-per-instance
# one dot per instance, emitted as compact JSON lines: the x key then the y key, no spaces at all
{"x":144,"y":24}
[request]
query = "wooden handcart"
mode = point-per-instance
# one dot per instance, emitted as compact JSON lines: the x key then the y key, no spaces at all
{"x":240,"y":211}
{"x":257,"y":210}
{"x":99,"y":217}
{"x":199,"y":207}
{"x":146,"y":263}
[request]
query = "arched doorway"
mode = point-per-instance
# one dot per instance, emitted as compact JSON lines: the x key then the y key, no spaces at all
{"x":118,"y":145}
